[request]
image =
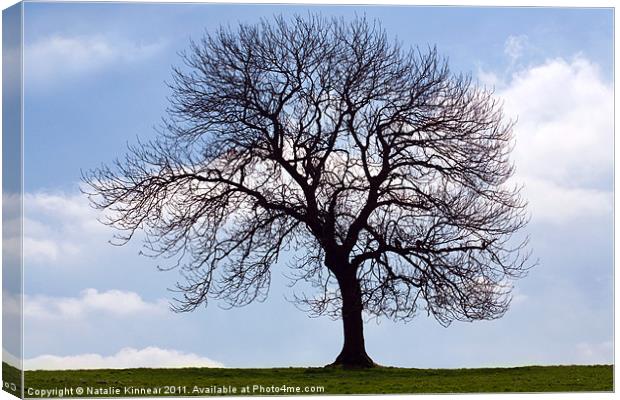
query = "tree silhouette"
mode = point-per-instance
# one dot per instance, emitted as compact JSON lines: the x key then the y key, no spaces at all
{"x":382,"y":173}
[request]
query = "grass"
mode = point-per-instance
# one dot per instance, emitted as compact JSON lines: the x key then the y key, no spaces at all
{"x":207,"y":381}
{"x":11,"y":379}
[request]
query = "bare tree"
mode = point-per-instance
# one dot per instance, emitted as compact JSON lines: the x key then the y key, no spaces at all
{"x":382,"y":172}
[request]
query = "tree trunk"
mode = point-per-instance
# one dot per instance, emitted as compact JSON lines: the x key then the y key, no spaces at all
{"x":353,"y":354}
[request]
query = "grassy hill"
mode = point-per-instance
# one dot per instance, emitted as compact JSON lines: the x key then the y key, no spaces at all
{"x":284,"y":381}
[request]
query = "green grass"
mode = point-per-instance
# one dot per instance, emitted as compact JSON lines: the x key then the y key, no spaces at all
{"x":11,"y":379}
{"x":593,"y":378}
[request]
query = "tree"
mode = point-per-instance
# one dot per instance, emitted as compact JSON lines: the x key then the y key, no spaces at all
{"x":382,"y":172}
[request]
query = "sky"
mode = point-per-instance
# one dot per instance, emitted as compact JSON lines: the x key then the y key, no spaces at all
{"x":95,"y":81}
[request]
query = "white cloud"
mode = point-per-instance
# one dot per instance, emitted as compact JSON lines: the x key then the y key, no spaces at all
{"x":12,"y":68}
{"x":488,"y":78}
{"x":564,"y":137}
{"x":11,"y":227}
{"x":52,"y":58}
{"x":11,"y":304}
{"x":61,"y":229}
{"x":149,"y":357}
{"x":57,"y":228}
{"x":565,"y":121}
{"x":514,"y":46}
{"x":91,"y":302}
{"x":72,"y":208}
{"x":556,"y":203}
{"x":43,"y":250}
{"x":11,"y":359}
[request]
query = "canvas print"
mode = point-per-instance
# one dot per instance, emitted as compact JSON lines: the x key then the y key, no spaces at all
{"x":281,"y":199}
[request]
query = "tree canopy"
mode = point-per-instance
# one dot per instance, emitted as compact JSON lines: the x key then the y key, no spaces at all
{"x":385,"y":175}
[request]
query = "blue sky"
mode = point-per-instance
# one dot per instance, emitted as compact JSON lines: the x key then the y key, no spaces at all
{"x":94,"y":81}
